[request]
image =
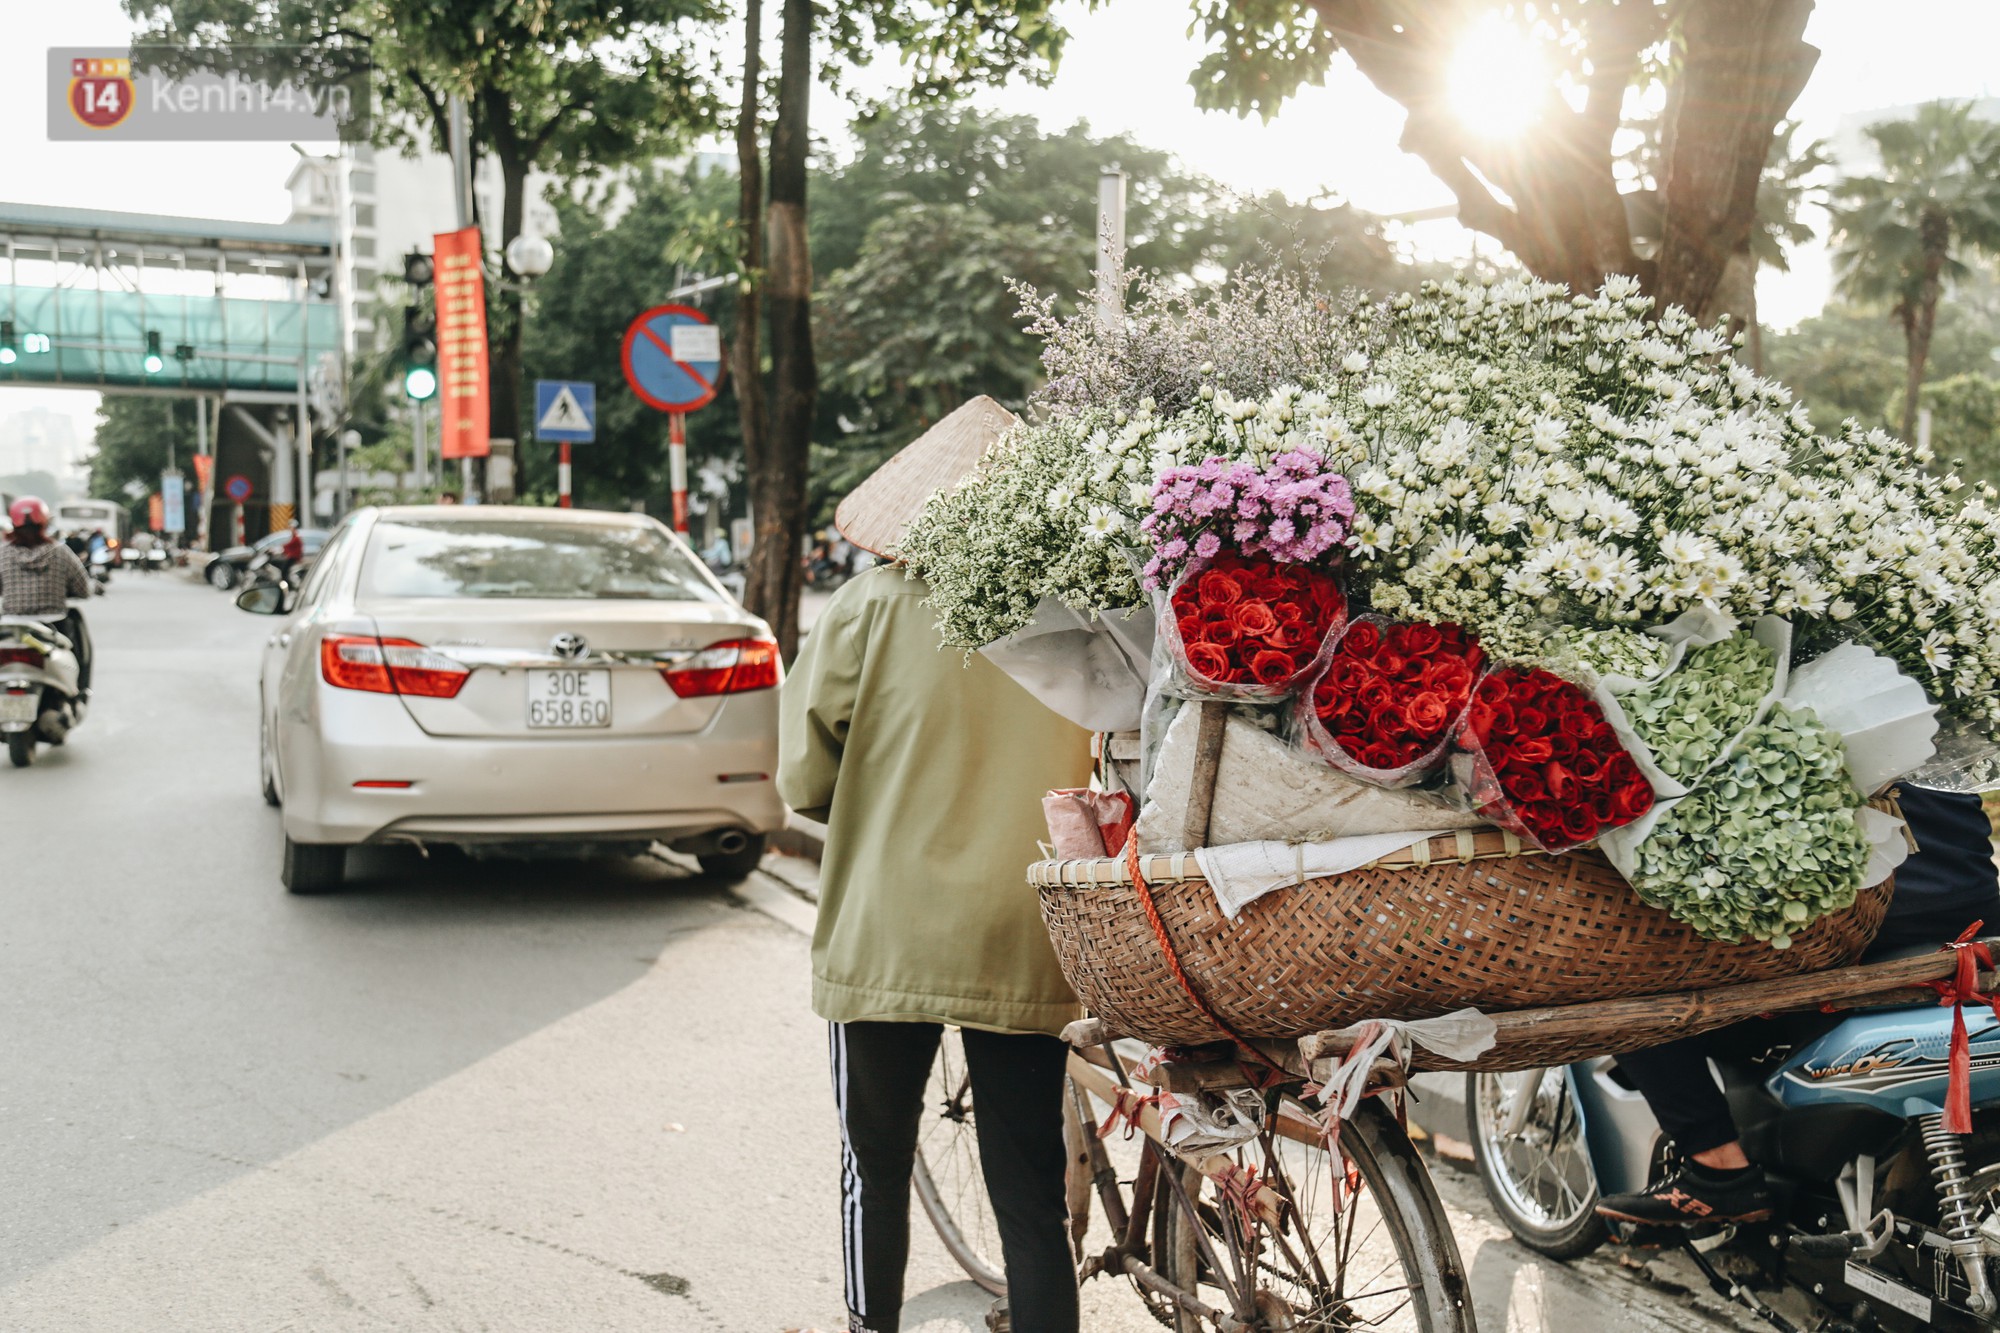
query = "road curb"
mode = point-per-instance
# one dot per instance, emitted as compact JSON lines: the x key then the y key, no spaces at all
{"x":777,"y":900}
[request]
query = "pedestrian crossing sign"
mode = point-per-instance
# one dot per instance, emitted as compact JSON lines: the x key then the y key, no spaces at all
{"x":565,"y":411}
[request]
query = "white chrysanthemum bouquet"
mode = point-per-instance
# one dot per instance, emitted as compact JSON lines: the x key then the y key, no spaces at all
{"x":1558,"y":475}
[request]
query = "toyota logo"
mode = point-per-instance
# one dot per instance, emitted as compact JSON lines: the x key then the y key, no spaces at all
{"x":569,"y":647}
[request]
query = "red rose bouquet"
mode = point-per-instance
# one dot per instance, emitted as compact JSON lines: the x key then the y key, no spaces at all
{"x":1384,"y":708}
{"x":1250,"y":629}
{"x":1539,"y":758}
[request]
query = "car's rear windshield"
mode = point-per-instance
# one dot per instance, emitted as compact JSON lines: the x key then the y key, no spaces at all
{"x":473,"y":557}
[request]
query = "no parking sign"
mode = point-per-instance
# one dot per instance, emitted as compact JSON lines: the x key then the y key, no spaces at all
{"x":673,"y":361}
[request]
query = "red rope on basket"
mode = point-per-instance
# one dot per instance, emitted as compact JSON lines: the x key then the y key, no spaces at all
{"x":1174,"y":961}
{"x":1963,"y":986}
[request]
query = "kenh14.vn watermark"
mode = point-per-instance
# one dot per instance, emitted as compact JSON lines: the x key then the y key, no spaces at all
{"x":165,"y":93}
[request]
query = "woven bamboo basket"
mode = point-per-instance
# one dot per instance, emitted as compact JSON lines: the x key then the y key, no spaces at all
{"x":1461,"y":920}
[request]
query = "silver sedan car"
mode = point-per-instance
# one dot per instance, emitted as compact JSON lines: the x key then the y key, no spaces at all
{"x":513,"y":678}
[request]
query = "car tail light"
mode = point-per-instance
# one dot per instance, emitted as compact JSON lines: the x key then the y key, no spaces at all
{"x":729,"y":667}
{"x":389,"y":666}
{"x":29,"y":657}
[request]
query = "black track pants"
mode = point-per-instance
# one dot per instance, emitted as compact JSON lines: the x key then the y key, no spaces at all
{"x":879,"y":1072}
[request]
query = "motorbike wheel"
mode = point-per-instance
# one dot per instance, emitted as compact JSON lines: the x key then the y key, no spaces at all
{"x":1538,"y":1175}
{"x":221,"y":576}
{"x":312,"y":867}
{"x":21,"y":747}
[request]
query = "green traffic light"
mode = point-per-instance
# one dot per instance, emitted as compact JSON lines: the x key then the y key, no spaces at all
{"x":420,"y":382}
{"x":155,"y":363}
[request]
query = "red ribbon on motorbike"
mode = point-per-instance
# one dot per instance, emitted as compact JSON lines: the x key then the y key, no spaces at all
{"x":1962,"y":988}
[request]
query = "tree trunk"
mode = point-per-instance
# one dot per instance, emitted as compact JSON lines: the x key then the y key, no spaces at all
{"x":778,"y":490}
{"x":1934,"y":231}
{"x":746,"y":355}
{"x":1744,"y":64}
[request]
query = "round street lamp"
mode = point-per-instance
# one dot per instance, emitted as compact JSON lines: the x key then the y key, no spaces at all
{"x":529,"y":256}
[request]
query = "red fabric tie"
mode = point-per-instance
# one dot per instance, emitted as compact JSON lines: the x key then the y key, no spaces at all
{"x":1125,"y":1108}
{"x":1962,"y":988}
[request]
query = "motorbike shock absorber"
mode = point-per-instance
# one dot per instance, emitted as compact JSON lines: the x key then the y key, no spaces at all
{"x":1958,"y":1213}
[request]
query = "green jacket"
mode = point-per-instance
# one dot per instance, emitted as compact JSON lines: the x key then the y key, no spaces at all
{"x":929,"y":773}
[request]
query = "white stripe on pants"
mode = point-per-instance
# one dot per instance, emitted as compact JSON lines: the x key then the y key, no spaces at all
{"x":850,"y":1178}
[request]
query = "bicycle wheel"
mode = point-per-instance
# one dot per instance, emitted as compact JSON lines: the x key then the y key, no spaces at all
{"x":1533,"y":1160}
{"x":950,"y":1184}
{"x":1384,"y":1258}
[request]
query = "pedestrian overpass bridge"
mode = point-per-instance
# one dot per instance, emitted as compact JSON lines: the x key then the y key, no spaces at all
{"x":236,"y":314}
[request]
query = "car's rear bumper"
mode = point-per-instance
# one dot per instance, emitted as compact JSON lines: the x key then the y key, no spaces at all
{"x":500,"y":790}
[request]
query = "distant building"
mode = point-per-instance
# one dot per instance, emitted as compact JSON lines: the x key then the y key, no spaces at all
{"x":38,"y":440}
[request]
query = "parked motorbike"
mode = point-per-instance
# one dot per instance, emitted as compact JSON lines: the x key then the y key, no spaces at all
{"x":1885,"y":1220}
{"x":38,"y":687}
{"x":156,"y":558}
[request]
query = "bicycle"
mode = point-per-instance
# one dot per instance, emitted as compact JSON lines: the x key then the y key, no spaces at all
{"x":1249,"y":1239}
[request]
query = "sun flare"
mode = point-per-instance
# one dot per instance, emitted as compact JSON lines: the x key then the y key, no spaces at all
{"x":1498,"y":78}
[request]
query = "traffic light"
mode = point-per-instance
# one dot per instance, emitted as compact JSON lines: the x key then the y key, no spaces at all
{"x":419,"y":352}
{"x":8,"y":351}
{"x":418,"y":269}
{"x":155,"y":363}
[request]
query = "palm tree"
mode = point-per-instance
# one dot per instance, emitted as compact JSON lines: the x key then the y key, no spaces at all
{"x":1783,"y":188}
{"x":1900,"y":235}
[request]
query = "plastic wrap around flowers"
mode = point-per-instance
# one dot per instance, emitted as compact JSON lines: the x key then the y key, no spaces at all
{"x":1249,"y":629}
{"x":1538,"y":757}
{"x":1384,"y":708}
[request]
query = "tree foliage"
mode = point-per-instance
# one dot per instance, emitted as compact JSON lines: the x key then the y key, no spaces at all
{"x":1902,"y":235}
{"x":915,"y":236}
{"x":1552,"y":195}
{"x":566,"y":86}
{"x":136,"y":438}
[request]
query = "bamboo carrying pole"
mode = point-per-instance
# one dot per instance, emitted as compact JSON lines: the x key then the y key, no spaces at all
{"x":1658,"y":1018}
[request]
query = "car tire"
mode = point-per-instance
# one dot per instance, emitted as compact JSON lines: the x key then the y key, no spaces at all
{"x":267,"y":772}
{"x":221,"y":575}
{"x":314,"y":867}
{"x":21,"y":748}
{"x":734,"y":865}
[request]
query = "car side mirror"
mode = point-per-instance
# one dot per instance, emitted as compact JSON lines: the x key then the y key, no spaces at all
{"x":264,"y":599}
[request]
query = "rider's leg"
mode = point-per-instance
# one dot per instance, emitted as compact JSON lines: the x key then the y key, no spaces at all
{"x":879,"y":1072}
{"x":1676,"y":1081}
{"x":71,"y":626}
{"x":1017,"y":1084}
{"x":1718,"y":1182}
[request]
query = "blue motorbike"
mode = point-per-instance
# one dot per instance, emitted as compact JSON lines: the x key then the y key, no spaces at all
{"x":1885,"y":1220}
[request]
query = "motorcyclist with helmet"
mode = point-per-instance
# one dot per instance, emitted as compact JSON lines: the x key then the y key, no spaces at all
{"x":38,"y":576}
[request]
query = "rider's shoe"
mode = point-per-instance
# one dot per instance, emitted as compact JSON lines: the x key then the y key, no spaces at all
{"x":1694,"y":1194}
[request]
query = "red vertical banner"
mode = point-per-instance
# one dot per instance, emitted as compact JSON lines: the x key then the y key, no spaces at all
{"x":156,"y":514}
{"x":461,"y":329}
{"x":204,"y":472}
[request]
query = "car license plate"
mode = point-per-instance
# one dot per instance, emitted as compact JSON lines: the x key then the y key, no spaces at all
{"x":18,"y":708}
{"x":566,"y":699}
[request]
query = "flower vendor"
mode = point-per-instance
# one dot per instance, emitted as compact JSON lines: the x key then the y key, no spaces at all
{"x":929,"y":774}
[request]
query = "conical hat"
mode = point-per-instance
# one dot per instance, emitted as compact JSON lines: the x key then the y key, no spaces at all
{"x":876,"y":513}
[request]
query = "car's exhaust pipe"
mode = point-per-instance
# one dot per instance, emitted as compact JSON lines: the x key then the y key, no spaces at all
{"x":731,"y":841}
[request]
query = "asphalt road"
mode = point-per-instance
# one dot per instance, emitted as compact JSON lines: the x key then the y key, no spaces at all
{"x":456,"y":1096}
